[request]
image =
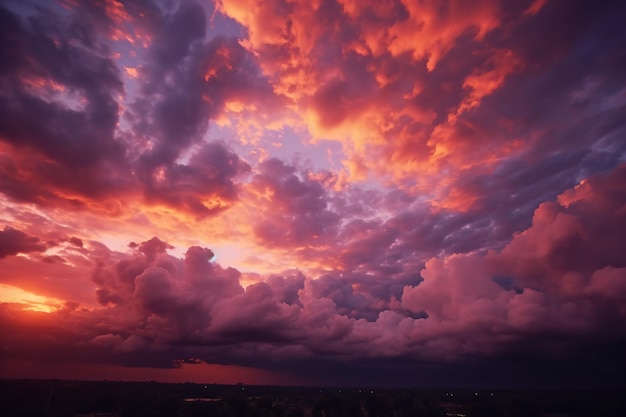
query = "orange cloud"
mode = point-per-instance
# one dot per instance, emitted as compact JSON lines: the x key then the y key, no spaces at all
{"x":433,"y":28}
{"x":132,"y":72}
{"x":360,"y":98}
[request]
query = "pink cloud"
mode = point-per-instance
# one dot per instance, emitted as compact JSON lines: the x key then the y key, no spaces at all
{"x":466,"y":304}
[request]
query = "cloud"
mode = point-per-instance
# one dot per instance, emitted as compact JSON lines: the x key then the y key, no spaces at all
{"x":572,"y":238}
{"x":286,"y":288}
{"x":472,"y":305}
{"x":76,"y":241}
{"x":70,"y":84}
{"x":430,"y":30}
{"x":185,"y":83}
{"x":563,"y":277}
{"x":78,"y":151}
{"x":296,"y":208}
{"x":352,"y":73}
{"x":420,"y":94}
{"x":204,"y":186}
{"x":191,"y":311}
{"x":14,"y":241}
{"x":399,"y":188}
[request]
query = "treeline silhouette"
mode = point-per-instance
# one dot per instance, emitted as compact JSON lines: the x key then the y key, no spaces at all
{"x":56,"y":398}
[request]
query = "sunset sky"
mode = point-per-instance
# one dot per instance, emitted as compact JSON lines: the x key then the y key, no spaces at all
{"x":334,"y":192}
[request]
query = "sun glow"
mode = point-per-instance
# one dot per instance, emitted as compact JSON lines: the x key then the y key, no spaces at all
{"x":27,"y":300}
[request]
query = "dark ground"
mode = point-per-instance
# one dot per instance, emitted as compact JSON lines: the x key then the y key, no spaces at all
{"x":56,"y":398}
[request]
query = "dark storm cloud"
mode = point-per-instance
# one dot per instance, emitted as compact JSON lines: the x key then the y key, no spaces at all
{"x":297,"y":210}
{"x":61,"y":86}
{"x":53,"y":142}
{"x":14,"y":241}
{"x":152,"y":248}
{"x":286,"y":288}
{"x":204,"y":186}
{"x":186,"y":83}
{"x":567,"y":101}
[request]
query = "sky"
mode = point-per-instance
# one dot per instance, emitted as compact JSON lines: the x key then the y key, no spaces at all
{"x":335,"y":192}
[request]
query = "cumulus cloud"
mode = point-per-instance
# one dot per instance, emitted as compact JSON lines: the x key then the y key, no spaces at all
{"x":464,"y":306}
{"x":572,"y":238}
{"x":562,"y":275}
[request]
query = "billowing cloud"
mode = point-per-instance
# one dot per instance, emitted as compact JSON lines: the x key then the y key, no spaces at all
{"x":464,"y":305}
{"x":573,"y":239}
{"x":562,"y":276}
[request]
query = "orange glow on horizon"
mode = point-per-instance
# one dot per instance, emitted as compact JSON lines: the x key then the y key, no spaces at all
{"x":27,"y":300}
{"x":185,"y":372}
